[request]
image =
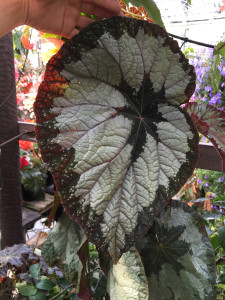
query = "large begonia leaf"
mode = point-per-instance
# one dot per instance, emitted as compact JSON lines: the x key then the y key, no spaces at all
{"x":178,"y":257}
{"x":110,"y":128}
{"x":126,"y":279}
{"x":61,"y":247}
{"x":210,"y":121}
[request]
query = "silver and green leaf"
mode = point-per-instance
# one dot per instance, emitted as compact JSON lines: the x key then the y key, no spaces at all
{"x":126,"y":279}
{"x":110,"y":128}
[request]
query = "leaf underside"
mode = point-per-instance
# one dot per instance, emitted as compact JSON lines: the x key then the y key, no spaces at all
{"x":210,"y":121}
{"x":178,"y":258}
{"x":60,"y":248}
{"x":110,"y":128}
{"x":151,"y":9}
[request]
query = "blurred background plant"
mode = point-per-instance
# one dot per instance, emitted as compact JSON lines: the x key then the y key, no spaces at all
{"x":206,"y":89}
{"x":33,"y":172}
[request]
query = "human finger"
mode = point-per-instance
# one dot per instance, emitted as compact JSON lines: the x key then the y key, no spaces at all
{"x":72,"y":33}
{"x":110,"y":6}
{"x":91,"y":9}
{"x":83,"y":21}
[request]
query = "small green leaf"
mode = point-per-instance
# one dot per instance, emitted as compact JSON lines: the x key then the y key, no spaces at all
{"x":215,"y":241}
{"x":210,"y":216}
{"x":221,"y":286}
{"x":26,"y":289}
{"x":151,"y":9}
{"x":221,"y":236}
{"x":45,"y":284}
{"x":49,"y":35}
{"x":35,"y":271}
{"x":222,"y":278}
{"x":38,"y":296}
{"x":189,"y":2}
{"x":216,"y":76}
{"x":63,"y":282}
{"x":219,"y":49}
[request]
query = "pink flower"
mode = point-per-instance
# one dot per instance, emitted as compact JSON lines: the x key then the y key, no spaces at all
{"x":16,"y":71}
{"x":20,"y":97}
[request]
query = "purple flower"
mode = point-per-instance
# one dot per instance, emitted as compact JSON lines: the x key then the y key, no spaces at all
{"x":199,"y":180}
{"x":205,"y":177}
{"x":197,"y":88}
{"x":206,"y":184}
{"x":204,"y":139}
{"x":199,"y":72}
{"x":210,"y":94}
{"x":204,"y":99}
{"x":221,"y":179}
{"x":208,"y":88}
{"x":222,"y":72}
{"x":214,"y":195}
{"x":215,"y":99}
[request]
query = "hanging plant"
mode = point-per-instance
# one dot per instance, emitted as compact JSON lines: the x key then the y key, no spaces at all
{"x":110,"y":128}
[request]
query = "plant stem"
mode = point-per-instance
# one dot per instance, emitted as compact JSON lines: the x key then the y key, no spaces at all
{"x":97,"y":284}
{"x":62,"y":292}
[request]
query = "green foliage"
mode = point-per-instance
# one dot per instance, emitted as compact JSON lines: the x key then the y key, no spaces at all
{"x":151,"y":9}
{"x":216,"y":76}
{"x":189,"y":52}
{"x":34,"y":175}
{"x":35,"y":271}
{"x":26,"y":289}
{"x":221,"y":236}
{"x":22,"y":269}
{"x":19,"y":49}
{"x":61,"y":248}
{"x":220,"y":49}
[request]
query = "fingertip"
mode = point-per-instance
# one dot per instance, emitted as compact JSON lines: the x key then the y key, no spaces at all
{"x":73,"y":33}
